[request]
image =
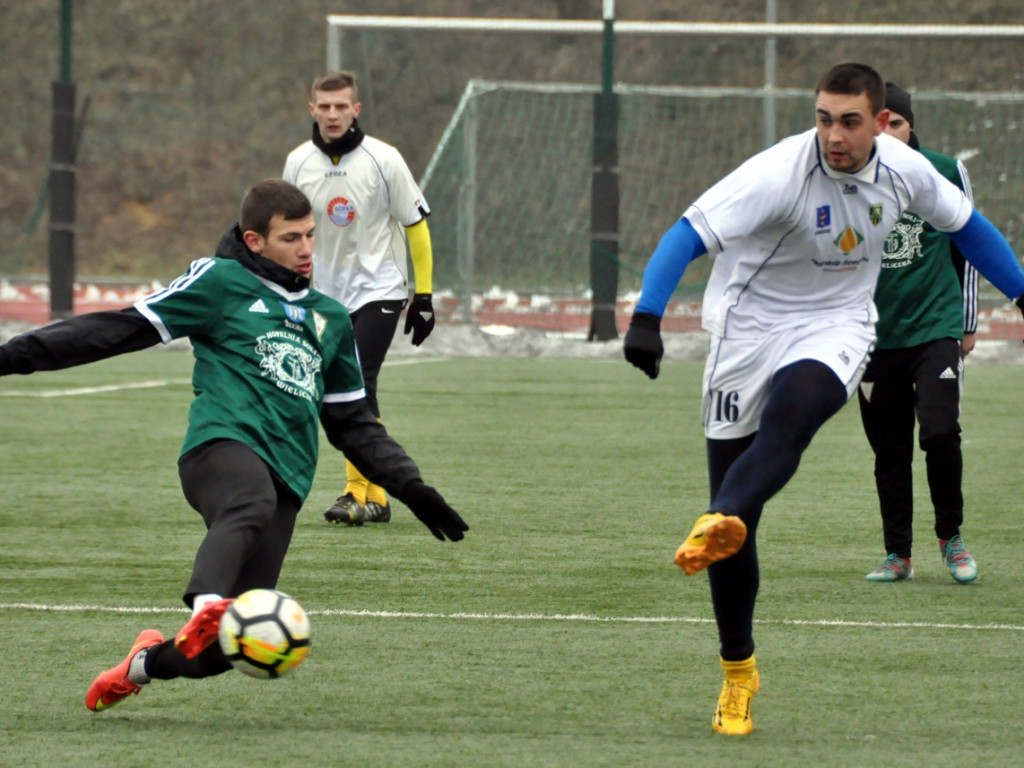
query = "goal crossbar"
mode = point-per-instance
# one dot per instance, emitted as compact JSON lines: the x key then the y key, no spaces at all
{"x":768,"y":31}
{"x":691,"y":28}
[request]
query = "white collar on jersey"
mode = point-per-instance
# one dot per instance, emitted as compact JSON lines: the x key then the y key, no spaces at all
{"x":867,"y":174}
{"x":280,"y":290}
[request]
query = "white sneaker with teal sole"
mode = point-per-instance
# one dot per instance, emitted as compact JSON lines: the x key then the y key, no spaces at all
{"x":893,"y":568}
{"x":959,"y":561}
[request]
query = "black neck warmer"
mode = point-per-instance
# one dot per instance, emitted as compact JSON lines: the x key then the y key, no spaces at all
{"x":335,"y":149}
{"x":233,"y":247}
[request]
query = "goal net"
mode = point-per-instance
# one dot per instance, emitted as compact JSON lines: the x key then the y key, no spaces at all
{"x":510,"y":179}
{"x":515,"y":166}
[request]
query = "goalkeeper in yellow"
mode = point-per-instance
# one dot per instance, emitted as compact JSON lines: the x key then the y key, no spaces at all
{"x":368,"y":209}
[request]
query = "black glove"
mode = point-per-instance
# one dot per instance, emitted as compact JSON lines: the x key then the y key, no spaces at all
{"x":433,"y":511}
{"x":642,"y":344}
{"x":419,"y":318}
{"x":1020,"y":303}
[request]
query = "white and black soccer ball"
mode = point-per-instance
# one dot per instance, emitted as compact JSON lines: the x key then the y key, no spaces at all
{"x":264,"y":633}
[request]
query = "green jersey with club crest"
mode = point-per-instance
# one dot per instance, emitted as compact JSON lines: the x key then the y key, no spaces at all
{"x":919,"y":294}
{"x":266,"y":359}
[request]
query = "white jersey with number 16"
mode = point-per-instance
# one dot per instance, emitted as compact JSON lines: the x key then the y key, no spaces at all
{"x":792,"y":238}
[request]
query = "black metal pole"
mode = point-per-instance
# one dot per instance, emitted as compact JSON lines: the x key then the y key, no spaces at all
{"x":604,"y":195}
{"x":62,"y":180}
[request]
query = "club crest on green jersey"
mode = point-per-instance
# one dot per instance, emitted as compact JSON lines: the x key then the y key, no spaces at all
{"x":291,"y":362}
{"x":903,"y":243}
{"x":320,"y":323}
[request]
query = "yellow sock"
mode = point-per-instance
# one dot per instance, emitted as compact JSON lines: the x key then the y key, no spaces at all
{"x":739,"y":670}
{"x":355,"y":483}
{"x":376,"y":494}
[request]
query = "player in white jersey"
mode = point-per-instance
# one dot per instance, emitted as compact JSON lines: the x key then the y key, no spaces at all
{"x":367,"y":209}
{"x":796,"y":234}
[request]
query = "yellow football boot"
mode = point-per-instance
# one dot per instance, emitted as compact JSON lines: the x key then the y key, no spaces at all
{"x":732,"y":715}
{"x":714,"y":537}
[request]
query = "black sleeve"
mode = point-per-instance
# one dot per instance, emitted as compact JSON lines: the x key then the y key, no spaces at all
{"x":959,"y":263}
{"x":78,"y":340}
{"x":354,"y":430}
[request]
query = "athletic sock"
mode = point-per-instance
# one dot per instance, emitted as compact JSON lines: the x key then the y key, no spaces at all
{"x":200,"y":600}
{"x":137,"y":668}
{"x":376,"y":494}
{"x":355,"y":483}
{"x":739,"y":670}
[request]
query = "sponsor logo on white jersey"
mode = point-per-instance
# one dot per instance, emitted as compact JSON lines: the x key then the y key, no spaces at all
{"x":341,"y":211}
{"x":848,"y":239}
{"x":823,"y":220}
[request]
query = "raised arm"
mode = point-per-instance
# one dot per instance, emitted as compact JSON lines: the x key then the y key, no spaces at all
{"x":77,"y":341}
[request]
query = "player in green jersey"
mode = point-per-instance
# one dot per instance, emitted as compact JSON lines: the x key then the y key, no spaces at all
{"x":273,"y":358}
{"x":927,"y":315}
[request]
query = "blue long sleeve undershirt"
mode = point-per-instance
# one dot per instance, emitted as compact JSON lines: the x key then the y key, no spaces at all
{"x":677,"y":248}
{"x":979,"y":241}
{"x":982,"y":245}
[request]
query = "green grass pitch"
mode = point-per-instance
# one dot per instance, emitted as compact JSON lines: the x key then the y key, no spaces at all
{"x":557,"y":634}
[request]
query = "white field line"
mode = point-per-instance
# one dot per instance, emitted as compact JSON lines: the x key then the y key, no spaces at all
{"x":525,"y":617}
{"x":157,"y":383}
{"x":414,"y":361}
{"x":93,"y":390}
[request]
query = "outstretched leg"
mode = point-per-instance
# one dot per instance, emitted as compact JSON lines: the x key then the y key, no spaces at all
{"x":746,"y":473}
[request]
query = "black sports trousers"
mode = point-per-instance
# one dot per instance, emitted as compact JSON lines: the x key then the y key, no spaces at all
{"x":375,"y":325}
{"x":249,"y":515}
{"x":899,"y":386}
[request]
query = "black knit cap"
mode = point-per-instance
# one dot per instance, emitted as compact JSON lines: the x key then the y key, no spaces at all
{"x":898,"y":101}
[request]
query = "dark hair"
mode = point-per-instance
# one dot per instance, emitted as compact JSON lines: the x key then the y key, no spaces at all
{"x":853,"y":79}
{"x":334,"y":81}
{"x":269,"y":198}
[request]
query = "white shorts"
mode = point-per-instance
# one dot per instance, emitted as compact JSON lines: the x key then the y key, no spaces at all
{"x":738,"y":372}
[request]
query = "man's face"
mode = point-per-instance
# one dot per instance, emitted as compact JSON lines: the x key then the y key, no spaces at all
{"x":899,"y":127}
{"x":288,"y":243}
{"x":334,"y":112}
{"x":847,"y":129}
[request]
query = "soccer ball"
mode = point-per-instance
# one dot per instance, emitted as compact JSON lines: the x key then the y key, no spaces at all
{"x":264,"y":633}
